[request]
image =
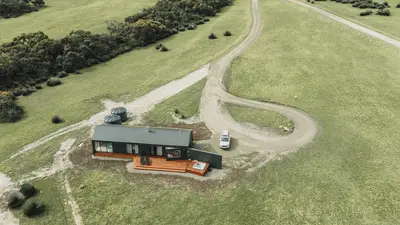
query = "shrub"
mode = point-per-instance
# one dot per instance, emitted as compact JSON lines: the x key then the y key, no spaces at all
{"x":312,"y":1}
{"x":77,"y":72}
{"x":9,"y":110}
{"x":366,"y":13}
{"x":386,"y":4}
{"x":56,"y":119}
{"x":383,"y":12}
{"x":363,"y":6}
{"x":25,"y":92}
{"x":17,"y":92}
{"x":159,"y":46}
{"x":308,"y":0}
{"x":182,"y":29}
{"x":62,"y":74}
{"x":53,"y":82}
{"x":345,"y":1}
{"x":398,"y":5}
{"x":227,"y":33}
{"x":191,"y":27}
{"x":16,"y":200}
{"x":164,"y":49}
{"x":212,"y":36}
{"x":32,"y":208}
{"x":31,"y":83}
{"x":28,"y":190}
{"x":38,"y":87}
{"x":206,"y":19}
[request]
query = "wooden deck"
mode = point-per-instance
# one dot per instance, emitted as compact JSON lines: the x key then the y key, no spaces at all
{"x":161,"y":164}
{"x":190,"y":168}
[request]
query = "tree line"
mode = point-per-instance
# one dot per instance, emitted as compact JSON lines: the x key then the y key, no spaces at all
{"x":31,"y":59}
{"x":15,"y":8}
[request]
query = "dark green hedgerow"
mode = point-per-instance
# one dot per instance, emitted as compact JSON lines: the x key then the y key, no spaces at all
{"x":15,"y":8}
{"x":33,"y":58}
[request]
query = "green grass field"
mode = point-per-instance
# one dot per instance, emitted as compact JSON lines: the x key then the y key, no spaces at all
{"x":348,"y":176}
{"x":386,"y":25}
{"x":62,"y":16}
{"x":187,"y":103}
{"x":123,"y":78}
{"x":260,"y":118}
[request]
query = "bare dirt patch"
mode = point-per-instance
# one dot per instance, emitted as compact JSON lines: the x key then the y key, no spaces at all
{"x":6,"y":216}
{"x":200,"y":130}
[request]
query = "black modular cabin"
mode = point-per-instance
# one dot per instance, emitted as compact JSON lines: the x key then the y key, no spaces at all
{"x":118,"y":140}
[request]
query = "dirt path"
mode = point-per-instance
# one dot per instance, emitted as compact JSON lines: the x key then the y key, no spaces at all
{"x":71,"y":202}
{"x":249,"y":139}
{"x":60,"y":162}
{"x":353,"y":25}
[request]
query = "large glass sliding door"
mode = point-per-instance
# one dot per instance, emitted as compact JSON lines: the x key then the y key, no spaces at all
{"x":132,"y":149}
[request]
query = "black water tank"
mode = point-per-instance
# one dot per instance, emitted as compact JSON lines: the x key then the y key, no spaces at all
{"x":120,"y":111}
{"x":112,"y":119}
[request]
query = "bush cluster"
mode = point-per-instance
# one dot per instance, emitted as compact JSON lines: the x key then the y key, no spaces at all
{"x":398,"y":5}
{"x":212,"y":36}
{"x":227,"y":33}
{"x":365,"y":4}
{"x":56,"y":119}
{"x":53,"y":82}
{"x":9,"y":110}
{"x":21,"y":199}
{"x":383,"y":12}
{"x":15,"y":8}
{"x":366,"y":13}
{"x":162,"y":48}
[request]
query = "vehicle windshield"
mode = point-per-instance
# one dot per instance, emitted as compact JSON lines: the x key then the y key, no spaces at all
{"x":224,"y":139}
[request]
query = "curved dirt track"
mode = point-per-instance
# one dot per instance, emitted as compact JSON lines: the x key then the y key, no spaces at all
{"x":250,"y":139}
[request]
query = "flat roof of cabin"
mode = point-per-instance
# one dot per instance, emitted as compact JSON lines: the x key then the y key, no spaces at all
{"x":143,"y":135}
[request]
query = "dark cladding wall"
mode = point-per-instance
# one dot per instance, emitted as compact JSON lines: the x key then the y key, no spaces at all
{"x":214,"y":159}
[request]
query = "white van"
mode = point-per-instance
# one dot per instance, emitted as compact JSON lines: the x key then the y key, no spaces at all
{"x":225,"y":140}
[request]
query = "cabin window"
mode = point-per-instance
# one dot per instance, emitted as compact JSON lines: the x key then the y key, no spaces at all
{"x":109,"y":147}
{"x":173,"y":154}
{"x":103,"y":147}
{"x":129,"y":148}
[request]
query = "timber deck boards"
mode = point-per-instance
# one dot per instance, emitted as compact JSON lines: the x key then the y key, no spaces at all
{"x":161,"y":164}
